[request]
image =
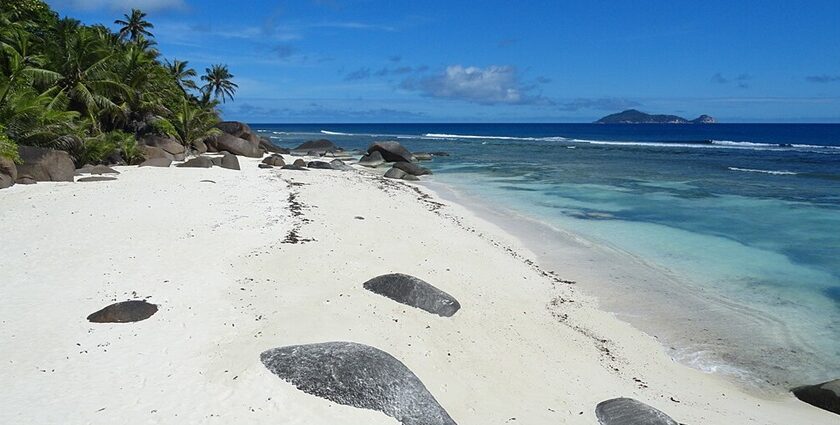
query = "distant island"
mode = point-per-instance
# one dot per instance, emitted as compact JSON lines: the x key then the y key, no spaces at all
{"x":632,"y":116}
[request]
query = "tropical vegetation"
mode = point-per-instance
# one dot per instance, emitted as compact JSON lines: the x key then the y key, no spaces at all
{"x":93,"y":91}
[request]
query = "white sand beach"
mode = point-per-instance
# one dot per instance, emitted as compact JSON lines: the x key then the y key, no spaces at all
{"x":240,"y":262}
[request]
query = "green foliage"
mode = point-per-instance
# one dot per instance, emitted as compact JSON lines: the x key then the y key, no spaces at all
{"x":90,"y":91}
{"x":218,"y":82}
{"x":164,"y":127}
{"x":129,"y":149}
{"x":94,"y":150}
{"x":8,"y":148}
{"x":193,"y":123}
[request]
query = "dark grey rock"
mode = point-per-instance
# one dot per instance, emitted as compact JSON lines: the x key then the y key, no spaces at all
{"x":373,"y":159}
{"x":97,"y":169}
{"x":320,"y":165}
{"x":235,"y":145}
{"x":45,"y":165}
{"x":240,"y":130}
{"x":269,"y":147}
{"x":263,"y":165}
{"x":825,"y":396}
{"x":156,"y":162}
{"x":395,"y":173}
{"x":6,"y":181}
{"x":338,"y":164}
{"x":391,"y":151}
{"x":22,"y":179}
{"x":168,"y":144}
{"x":123,"y":312}
{"x":115,"y":158}
{"x":627,"y":411}
{"x":152,"y":152}
{"x":409,"y":290}
{"x":422,"y":156}
{"x":96,"y":179}
{"x":216,"y":160}
{"x":317,"y":147}
{"x":275,"y":160}
{"x":8,"y":172}
{"x":199,"y":147}
{"x":411,"y":168}
{"x":197,"y":162}
{"x":293,"y":167}
{"x":229,"y":161}
{"x":360,"y":376}
{"x":299,"y":163}
{"x":439,"y":153}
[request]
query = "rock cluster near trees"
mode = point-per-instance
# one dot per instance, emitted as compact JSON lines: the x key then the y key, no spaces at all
{"x":403,"y":162}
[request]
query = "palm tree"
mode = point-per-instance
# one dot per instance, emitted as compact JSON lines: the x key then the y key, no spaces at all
{"x":219,"y":82}
{"x":193,"y":124}
{"x":134,"y":25}
{"x":86,"y":79}
{"x":182,"y":74}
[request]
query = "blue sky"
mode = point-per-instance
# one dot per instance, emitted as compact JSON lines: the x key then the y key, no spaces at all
{"x":504,"y":61}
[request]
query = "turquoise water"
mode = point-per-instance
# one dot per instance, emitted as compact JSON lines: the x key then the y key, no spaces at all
{"x":743,"y":220}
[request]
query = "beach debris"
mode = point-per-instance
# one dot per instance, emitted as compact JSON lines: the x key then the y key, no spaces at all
{"x":229,"y":161}
{"x":627,"y":411}
{"x":825,"y":396}
{"x":274,"y":160}
{"x":207,"y":181}
{"x":396,"y":173}
{"x":412,"y":168}
{"x":156,"y":162}
{"x":124,"y":312}
{"x":95,"y":179}
{"x":360,"y":376}
{"x":45,"y":165}
{"x":409,"y":290}
{"x":197,"y":162}
{"x":372,"y":160}
{"x":391,"y":151}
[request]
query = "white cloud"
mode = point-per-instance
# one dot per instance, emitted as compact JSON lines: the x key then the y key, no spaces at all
{"x":144,"y":5}
{"x":491,"y":85}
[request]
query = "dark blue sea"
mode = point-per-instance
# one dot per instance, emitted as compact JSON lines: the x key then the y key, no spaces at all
{"x":745,"y":217}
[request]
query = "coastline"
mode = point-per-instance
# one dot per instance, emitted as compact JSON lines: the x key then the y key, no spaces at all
{"x":525,"y":345}
{"x":653,"y":299}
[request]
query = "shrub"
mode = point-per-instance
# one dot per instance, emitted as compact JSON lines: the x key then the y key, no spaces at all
{"x":8,"y":148}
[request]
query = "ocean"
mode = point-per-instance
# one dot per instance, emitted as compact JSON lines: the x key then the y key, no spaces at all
{"x":721,"y":240}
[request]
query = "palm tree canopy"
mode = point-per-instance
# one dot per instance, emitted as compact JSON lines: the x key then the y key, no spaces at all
{"x":218,"y":82}
{"x":134,"y":25}
{"x":182,"y":74}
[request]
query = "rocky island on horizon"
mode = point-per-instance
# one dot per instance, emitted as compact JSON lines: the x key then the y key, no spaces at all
{"x":633,"y":116}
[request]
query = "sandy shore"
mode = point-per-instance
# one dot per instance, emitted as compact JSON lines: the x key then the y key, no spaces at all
{"x":257,"y":259}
